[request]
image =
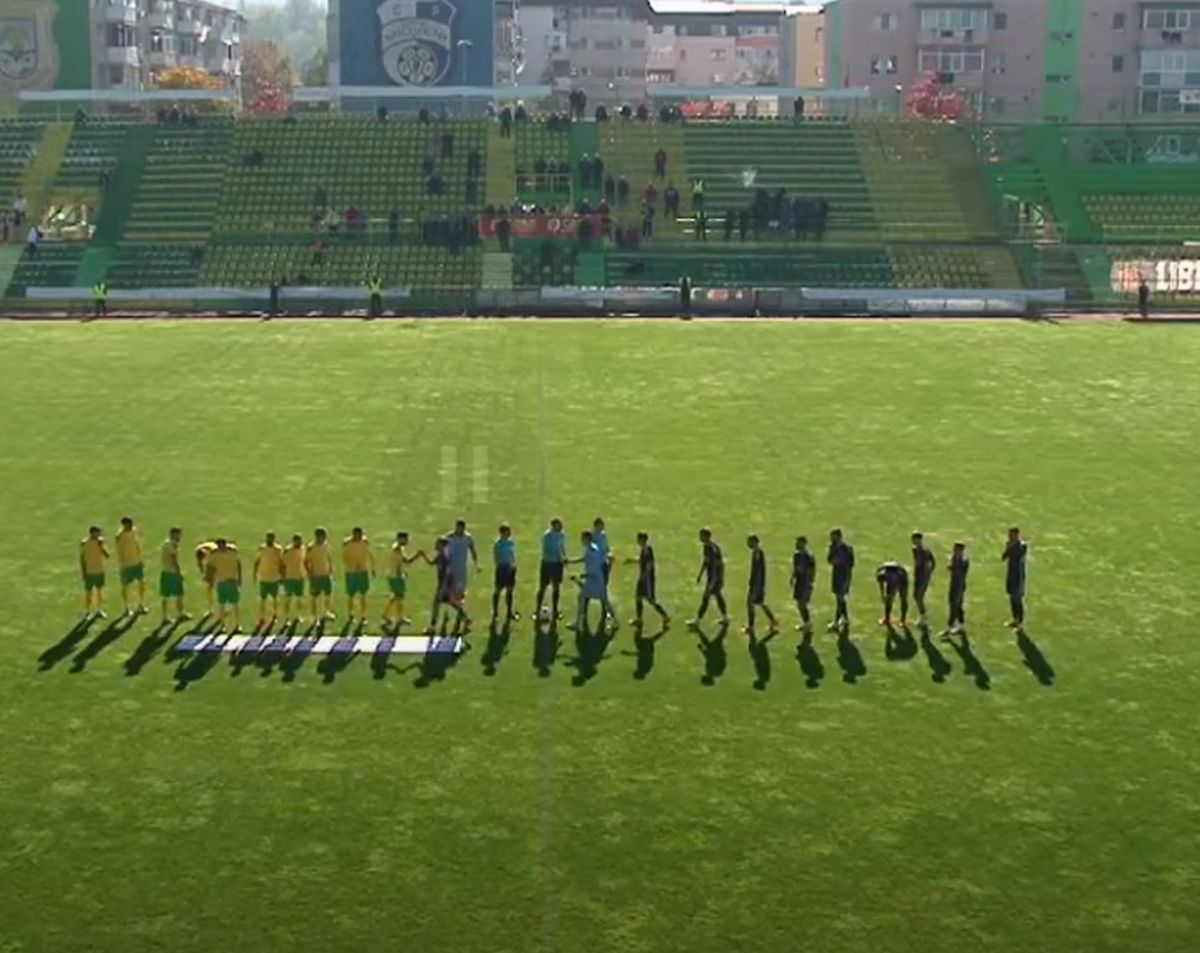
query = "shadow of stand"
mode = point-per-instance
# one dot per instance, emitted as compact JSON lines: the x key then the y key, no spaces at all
{"x":643,"y":651}
{"x":810,"y":663}
{"x":939,"y":668}
{"x":65,"y":647}
{"x":850,"y":659}
{"x":971,"y":664}
{"x":1035,"y":661}
{"x":716,"y":658}
{"x":115,"y":629}
{"x":760,"y":656}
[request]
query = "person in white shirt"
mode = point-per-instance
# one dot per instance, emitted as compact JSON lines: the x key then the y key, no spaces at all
{"x":19,"y":208}
{"x":35,"y":238}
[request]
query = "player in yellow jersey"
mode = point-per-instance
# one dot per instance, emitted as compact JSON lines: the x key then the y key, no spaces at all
{"x":293,"y":580}
{"x":393,"y":615}
{"x":129,"y":560}
{"x":268,"y":572}
{"x":170,"y":580}
{"x":92,"y":554}
{"x":358,"y":562}
{"x":318,"y":563}
{"x":225,"y":566}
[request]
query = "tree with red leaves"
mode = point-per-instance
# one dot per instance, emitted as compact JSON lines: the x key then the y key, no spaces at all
{"x":929,"y":99}
{"x":267,"y":79}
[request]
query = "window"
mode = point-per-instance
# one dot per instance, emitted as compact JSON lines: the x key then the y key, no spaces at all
{"x":623,"y":72}
{"x":887,"y":22}
{"x":998,"y":62}
{"x":1170,"y":69}
{"x":718,"y":54}
{"x":1118,"y":21}
{"x":883,"y":65}
{"x":1118,"y":63}
{"x":1000,"y":21}
{"x":116,"y":75}
{"x":1167,"y":19}
{"x":951,"y":61}
{"x":719,"y":30}
{"x":953,"y":19}
{"x":157,"y":42}
{"x":998,"y":105}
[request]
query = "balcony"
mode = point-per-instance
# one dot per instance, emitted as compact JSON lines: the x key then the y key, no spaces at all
{"x":123,"y":56}
{"x":975,"y":37}
{"x":162,"y":59}
{"x":160,"y":21}
{"x":120,"y":13}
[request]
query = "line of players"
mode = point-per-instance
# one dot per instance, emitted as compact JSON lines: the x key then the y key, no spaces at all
{"x":293,"y":569}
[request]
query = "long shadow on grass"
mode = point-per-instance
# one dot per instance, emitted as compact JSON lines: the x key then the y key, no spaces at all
{"x":344,"y":651}
{"x":1034,"y":660}
{"x":716,"y":658}
{"x":149,"y":647}
{"x":292,"y":661}
{"x":260,"y":637}
{"x":499,"y":637}
{"x":113,"y":631}
{"x":65,"y":647}
{"x":200,"y":662}
{"x":643,"y":651}
{"x":272,"y":651}
{"x":971,"y":664}
{"x":810,"y":663}
{"x":939,"y":668}
{"x":899,"y":645}
{"x":850,"y":659}
{"x":546,"y":644}
{"x":760,"y":656}
{"x":591,"y":649}
{"x":434,"y":665}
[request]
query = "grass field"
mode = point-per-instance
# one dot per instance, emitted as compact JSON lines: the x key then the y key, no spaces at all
{"x":152,"y":806}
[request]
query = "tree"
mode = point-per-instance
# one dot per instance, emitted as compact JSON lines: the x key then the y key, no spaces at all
{"x":316,"y":70}
{"x":929,"y":99}
{"x":187,"y":77}
{"x":297,"y":27}
{"x":267,"y":78}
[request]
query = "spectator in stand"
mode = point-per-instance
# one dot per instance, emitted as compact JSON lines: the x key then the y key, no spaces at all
{"x":428,"y":162}
{"x":318,"y":253}
{"x":34,"y":240}
{"x":651,"y":194}
{"x":381,"y":113}
{"x":601,"y":114}
{"x":798,"y":108}
{"x":586,"y":231}
{"x":626,"y":112}
{"x":584,"y":207}
{"x":697,"y":194}
{"x":20,"y":207}
{"x":474,"y":163}
{"x":597,"y":171}
{"x":822,"y":217}
{"x":643,"y":113}
{"x":436,"y":186}
{"x":648,"y":220}
{"x":472,"y":191}
{"x":585,"y":171}
{"x":5,"y":227}
{"x":1143,"y":296}
{"x":730,"y":219}
{"x":273,"y":297}
{"x":331,"y":221}
{"x":521,"y":115}
{"x":539,"y":173}
{"x":660,"y":163}
{"x":610,"y":190}
{"x":700,"y":226}
{"x":622,"y":190}
{"x":743,"y":223}
{"x":503,"y":230}
{"x":671,"y":201}
{"x":423,"y":115}
{"x":506,"y":118}
{"x":350,"y":218}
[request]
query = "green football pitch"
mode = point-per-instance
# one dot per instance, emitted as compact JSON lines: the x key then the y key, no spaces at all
{"x":935,"y":797}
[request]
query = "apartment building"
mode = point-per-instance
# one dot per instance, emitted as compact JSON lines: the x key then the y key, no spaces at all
{"x":714,"y":49}
{"x":802,"y":48}
{"x":1045,"y":60}
{"x":133,"y":40}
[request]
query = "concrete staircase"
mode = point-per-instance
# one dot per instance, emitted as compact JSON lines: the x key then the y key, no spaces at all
{"x":38,"y":180}
{"x":9,"y":256}
{"x":500,"y":180}
{"x":497,"y":272}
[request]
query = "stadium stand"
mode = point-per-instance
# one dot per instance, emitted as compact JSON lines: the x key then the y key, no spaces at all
{"x":326,"y":199}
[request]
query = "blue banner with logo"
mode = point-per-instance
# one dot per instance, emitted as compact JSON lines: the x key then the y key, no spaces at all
{"x":416,"y":42}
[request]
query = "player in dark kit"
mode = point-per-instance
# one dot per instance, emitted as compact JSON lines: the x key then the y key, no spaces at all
{"x":923,"y":567}
{"x":1015,"y":551}
{"x":960,"y":565}
{"x":804,"y":576}
{"x":645,"y":591}
{"x":893,"y":581}
{"x":756,"y":592}
{"x":712,"y":571}
{"x":841,"y":561}
{"x":448,"y":592}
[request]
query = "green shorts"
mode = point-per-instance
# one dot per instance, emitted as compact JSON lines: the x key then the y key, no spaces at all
{"x":228,"y":593}
{"x":320,"y":586}
{"x":399,"y":586}
{"x":170,"y":585}
{"x":268,"y":590}
{"x":358,"y":583}
{"x":93,"y":580}
{"x":132,"y":574}
{"x":293,"y":587}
